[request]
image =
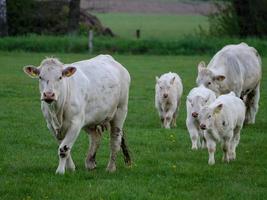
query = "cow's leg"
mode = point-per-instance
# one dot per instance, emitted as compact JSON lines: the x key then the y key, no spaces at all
{"x":211,"y":145}
{"x":66,"y":145}
{"x":95,"y":138}
{"x":116,"y":134}
{"x":174,"y":119}
{"x":168,"y":119}
{"x":252,"y":105}
{"x":235,"y":142}
{"x":193,"y":135}
{"x":70,"y":164}
{"x":226,"y":148}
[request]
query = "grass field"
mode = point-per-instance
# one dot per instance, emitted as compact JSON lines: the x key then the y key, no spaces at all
{"x":153,"y":26}
{"x":164,"y":165}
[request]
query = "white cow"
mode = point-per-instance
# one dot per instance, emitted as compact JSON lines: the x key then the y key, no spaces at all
{"x":222,"y":121}
{"x":168,"y":92}
{"x":235,"y":68}
{"x":196,"y":99}
{"x":84,"y":95}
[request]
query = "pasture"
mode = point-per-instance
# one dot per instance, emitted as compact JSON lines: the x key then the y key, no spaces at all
{"x":153,"y":26}
{"x":164,"y":165}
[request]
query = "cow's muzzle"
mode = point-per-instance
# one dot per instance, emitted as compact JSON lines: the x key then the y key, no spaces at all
{"x":203,"y":126}
{"x":48,"y":97}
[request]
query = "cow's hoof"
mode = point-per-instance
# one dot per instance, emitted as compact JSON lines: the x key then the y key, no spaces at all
{"x":194,"y":147}
{"x":211,"y":162}
{"x":90,"y":165}
{"x":60,"y":171}
{"x":111,"y":168}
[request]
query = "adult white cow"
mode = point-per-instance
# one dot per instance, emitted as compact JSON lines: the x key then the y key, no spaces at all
{"x":197,"y":98}
{"x":235,"y":68}
{"x":84,"y":95}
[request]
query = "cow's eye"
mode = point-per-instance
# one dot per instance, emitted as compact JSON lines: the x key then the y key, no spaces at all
{"x":60,"y":78}
{"x":209,"y":83}
{"x":209,"y":116}
{"x":160,"y":88}
{"x":40,"y":78}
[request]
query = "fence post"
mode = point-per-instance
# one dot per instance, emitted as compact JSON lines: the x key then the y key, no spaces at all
{"x":90,"y":41}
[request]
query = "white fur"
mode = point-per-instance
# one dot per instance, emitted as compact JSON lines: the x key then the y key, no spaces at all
{"x":223,"y":120}
{"x":170,"y":84}
{"x":196,"y":99}
{"x":235,"y":68}
{"x":96,"y":94}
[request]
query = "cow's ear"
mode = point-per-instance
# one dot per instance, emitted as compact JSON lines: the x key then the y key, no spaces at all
{"x":219,"y":78}
{"x":157,"y":79}
{"x":172,"y":80}
{"x":201,"y":66}
{"x":69,"y":71}
{"x":218,"y":108}
{"x":188,"y":99}
{"x":32,"y":71}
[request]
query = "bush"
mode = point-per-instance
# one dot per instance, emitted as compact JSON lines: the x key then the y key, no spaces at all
{"x":188,"y":45}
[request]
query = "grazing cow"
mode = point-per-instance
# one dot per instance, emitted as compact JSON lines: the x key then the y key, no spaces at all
{"x":235,"y":68}
{"x":196,"y":99}
{"x":222,"y":122}
{"x":84,"y":95}
{"x":168,"y":94}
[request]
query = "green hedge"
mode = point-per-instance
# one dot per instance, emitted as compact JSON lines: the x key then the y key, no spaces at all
{"x":188,"y":45}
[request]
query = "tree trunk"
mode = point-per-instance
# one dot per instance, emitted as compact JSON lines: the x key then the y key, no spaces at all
{"x":3,"y":21}
{"x":74,"y":16}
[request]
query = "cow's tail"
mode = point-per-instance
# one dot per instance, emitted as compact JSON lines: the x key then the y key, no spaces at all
{"x":125,"y":151}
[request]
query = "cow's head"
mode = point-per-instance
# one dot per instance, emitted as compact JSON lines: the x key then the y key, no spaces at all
{"x":51,"y":74}
{"x":207,"y":78}
{"x":164,"y":87}
{"x":196,"y":104}
{"x":208,"y":114}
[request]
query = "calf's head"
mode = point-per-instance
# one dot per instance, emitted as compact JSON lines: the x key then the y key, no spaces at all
{"x":196,"y":104}
{"x":51,"y":74}
{"x":209,"y":79}
{"x":207,"y":116}
{"x":164,"y":87}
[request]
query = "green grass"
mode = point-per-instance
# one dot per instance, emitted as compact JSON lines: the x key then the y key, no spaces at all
{"x":153,"y":26}
{"x":164,"y":165}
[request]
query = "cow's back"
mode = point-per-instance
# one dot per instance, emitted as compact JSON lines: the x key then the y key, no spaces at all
{"x":240,"y":63}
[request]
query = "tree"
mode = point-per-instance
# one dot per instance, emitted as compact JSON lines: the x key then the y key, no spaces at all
{"x":243,"y":18}
{"x":74,"y":16}
{"x":3,"y":19}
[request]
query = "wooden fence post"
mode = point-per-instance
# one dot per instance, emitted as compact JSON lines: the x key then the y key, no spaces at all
{"x":90,"y":41}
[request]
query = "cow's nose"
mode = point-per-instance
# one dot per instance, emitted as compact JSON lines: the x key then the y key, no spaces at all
{"x":49,"y":97}
{"x":49,"y":94}
{"x":203,"y":126}
{"x":165,"y":95}
{"x":195,"y":114}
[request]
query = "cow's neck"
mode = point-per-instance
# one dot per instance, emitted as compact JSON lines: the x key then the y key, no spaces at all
{"x":56,"y":109}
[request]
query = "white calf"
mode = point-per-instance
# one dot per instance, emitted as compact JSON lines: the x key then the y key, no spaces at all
{"x":196,"y":99}
{"x":222,"y":121}
{"x":168,"y":92}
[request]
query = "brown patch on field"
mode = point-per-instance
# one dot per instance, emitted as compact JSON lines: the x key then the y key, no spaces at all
{"x":148,"y":6}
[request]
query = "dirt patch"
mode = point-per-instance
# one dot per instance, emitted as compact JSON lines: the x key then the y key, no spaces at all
{"x":148,"y":6}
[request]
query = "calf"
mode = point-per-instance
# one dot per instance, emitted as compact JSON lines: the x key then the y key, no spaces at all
{"x":168,"y":94}
{"x":87,"y":95}
{"x":222,"y":122}
{"x":235,"y":68}
{"x":196,"y":99}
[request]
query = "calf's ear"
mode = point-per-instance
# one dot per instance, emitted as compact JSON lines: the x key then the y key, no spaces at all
{"x":32,"y":71}
{"x":69,"y":71}
{"x":201,"y":66}
{"x":218,"y":108}
{"x":172,"y":80}
{"x":219,"y":78}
